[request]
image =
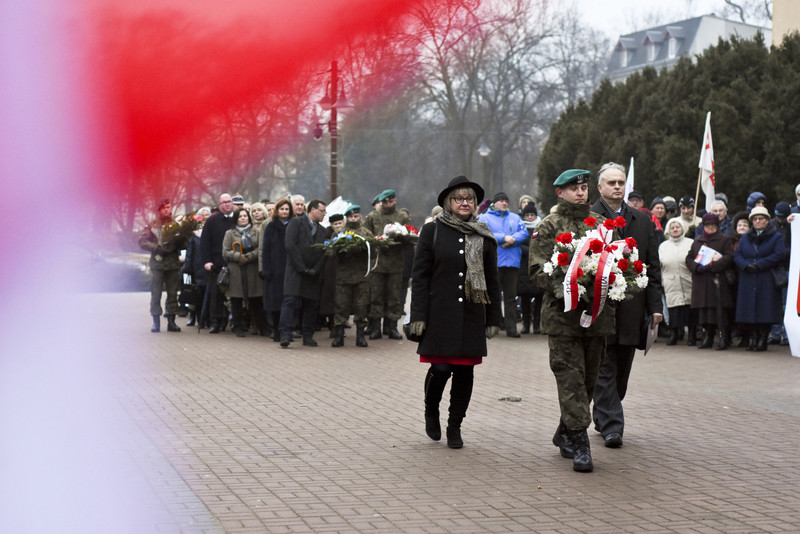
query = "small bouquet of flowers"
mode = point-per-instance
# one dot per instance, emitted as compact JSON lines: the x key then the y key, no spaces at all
{"x":593,"y":267}
{"x":400,"y":233}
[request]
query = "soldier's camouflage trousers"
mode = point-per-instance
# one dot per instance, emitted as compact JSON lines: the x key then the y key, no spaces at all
{"x":575,"y":362}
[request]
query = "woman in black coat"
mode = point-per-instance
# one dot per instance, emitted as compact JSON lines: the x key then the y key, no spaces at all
{"x":455,"y":302}
{"x":759,"y":303}
{"x":711,"y":295}
{"x":273,"y":262}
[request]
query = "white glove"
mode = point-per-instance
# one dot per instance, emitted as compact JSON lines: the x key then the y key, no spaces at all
{"x":417,"y":327}
{"x":492,"y":331}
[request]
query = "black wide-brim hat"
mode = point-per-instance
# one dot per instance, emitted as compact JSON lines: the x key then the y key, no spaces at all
{"x":459,"y":182}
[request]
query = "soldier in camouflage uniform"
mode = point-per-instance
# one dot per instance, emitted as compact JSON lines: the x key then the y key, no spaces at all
{"x":164,"y":238}
{"x":386,"y":280}
{"x":352,"y":284}
{"x":575,"y":351}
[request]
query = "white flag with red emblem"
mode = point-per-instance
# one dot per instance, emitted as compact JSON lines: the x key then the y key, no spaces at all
{"x":707,"y":176}
{"x":629,"y":182}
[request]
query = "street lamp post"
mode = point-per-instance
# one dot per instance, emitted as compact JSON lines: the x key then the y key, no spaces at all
{"x":332,"y":102}
{"x":484,"y":152}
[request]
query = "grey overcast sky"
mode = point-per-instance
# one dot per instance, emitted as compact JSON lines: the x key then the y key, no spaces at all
{"x":618,"y":17}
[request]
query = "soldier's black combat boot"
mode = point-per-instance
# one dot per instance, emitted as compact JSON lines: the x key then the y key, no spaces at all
{"x":434,"y":387}
{"x":361,"y":338}
{"x":390,"y":329}
{"x":171,"y":326}
{"x":338,"y":336}
{"x":582,"y":459}
{"x":156,"y":324}
{"x":374,"y":328}
{"x":561,"y":440}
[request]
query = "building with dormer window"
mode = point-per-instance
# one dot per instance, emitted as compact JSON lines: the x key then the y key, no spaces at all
{"x":661,"y":47}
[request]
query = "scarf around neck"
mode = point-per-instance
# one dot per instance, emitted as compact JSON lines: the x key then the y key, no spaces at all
{"x":475,"y":231}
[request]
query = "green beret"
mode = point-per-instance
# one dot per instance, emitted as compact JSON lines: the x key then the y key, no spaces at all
{"x":386,"y":194}
{"x":352,"y":208}
{"x":572,"y":176}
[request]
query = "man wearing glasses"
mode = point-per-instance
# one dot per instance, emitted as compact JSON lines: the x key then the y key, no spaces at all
{"x":510,"y":233}
{"x":302,"y":283}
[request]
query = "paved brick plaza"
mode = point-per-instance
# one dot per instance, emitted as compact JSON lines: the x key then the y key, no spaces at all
{"x":239,"y":435}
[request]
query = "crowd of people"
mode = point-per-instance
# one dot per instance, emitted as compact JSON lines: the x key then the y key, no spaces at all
{"x":477,"y":268}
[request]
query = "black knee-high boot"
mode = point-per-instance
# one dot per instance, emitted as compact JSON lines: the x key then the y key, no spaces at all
{"x":276,"y":320}
{"x":435,"y":381}
{"x":460,"y":394}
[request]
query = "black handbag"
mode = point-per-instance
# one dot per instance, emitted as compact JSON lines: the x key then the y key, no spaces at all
{"x":224,"y":276}
{"x":780,"y":276}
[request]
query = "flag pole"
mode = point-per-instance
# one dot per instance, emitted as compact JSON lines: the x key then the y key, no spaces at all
{"x":697,"y":193}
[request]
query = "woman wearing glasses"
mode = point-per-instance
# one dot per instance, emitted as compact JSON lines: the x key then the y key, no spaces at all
{"x":455,"y":302}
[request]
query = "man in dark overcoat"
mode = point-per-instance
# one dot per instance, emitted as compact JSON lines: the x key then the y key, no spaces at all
{"x":302,"y":281}
{"x":612,"y":381}
{"x":211,"y":250}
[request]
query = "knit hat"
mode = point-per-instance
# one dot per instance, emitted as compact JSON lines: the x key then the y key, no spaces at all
{"x":656,"y":201}
{"x":530,"y":207}
{"x":499,"y":196}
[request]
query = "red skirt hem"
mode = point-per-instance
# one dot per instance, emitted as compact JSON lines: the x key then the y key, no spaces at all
{"x":452,"y":360}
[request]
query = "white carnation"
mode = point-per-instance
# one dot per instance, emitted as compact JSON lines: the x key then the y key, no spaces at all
{"x":641,"y":282}
{"x":616,"y":292}
{"x":548,"y":268}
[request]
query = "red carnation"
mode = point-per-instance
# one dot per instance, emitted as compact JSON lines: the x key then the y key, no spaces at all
{"x":596,"y":245}
{"x":580,"y":272}
{"x":638,"y":266}
{"x":623,"y":264}
{"x":630,"y":242}
{"x":563,"y":258}
{"x":609,"y":224}
{"x":411,"y":229}
{"x":590,"y":221}
{"x":619,"y":222}
{"x":611,"y":278}
{"x":564,"y":239}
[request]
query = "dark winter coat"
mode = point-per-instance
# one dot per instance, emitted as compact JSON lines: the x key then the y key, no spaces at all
{"x":303,"y":277}
{"x":273,"y":264}
{"x":759,"y":301}
{"x":211,"y":239}
{"x":193,"y":264}
{"x":454,"y":326}
{"x":704,"y":294}
{"x":525,"y":285}
{"x":555,"y":321}
{"x":631,"y":313}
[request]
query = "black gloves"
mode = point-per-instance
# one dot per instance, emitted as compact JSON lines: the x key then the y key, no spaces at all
{"x":311,"y":273}
{"x":752,"y":268}
{"x":702,"y":269}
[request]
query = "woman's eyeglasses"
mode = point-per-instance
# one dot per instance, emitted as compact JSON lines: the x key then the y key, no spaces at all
{"x":462,"y":200}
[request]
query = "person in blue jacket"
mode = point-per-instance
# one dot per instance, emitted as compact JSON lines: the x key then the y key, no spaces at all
{"x":510,"y":233}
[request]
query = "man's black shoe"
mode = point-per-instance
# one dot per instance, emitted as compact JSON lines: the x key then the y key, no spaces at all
{"x":512,"y":333}
{"x":308,"y":341}
{"x":214,"y":329}
{"x":285,"y":342}
{"x":613,"y":440}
